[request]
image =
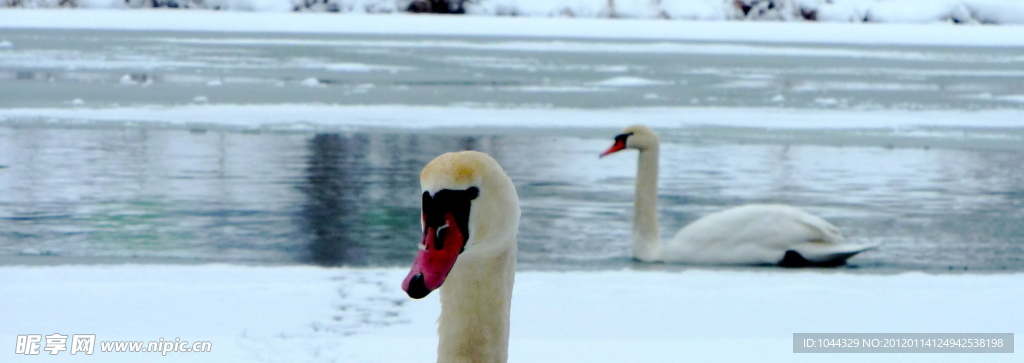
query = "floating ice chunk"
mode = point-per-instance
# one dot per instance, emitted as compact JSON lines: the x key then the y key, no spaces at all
{"x":548,"y":89}
{"x":350,"y":67}
{"x":363,"y":88}
{"x":29,"y":251}
{"x":311,"y":82}
{"x":626,"y":81}
{"x":136,"y":79}
{"x":200,"y":99}
{"x":651,"y":96}
{"x":363,"y":68}
{"x":826,"y":101}
{"x":986,"y":96}
{"x":77,"y":102}
{"x":215,"y":83}
{"x":779,"y":98}
{"x":6,"y":44}
{"x":612,"y":69}
{"x":980,"y":96}
{"x":1013,"y":98}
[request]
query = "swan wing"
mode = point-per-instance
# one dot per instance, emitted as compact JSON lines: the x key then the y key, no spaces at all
{"x":816,"y":253}
{"x":828,"y":249}
{"x":760,"y":234}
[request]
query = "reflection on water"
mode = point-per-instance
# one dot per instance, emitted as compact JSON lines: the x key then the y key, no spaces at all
{"x":352,"y":199}
{"x":361,"y":205}
{"x":333,"y":198}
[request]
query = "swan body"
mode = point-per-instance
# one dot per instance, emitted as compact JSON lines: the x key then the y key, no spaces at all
{"x":753,"y":234}
{"x":470,"y":218}
{"x":760,"y":234}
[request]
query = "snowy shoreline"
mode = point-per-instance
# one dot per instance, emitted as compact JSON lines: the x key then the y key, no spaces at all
{"x":311,"y":314}
{"x":300,"y":117}
{"x":553,"y":28}
{"x":868,"y":11}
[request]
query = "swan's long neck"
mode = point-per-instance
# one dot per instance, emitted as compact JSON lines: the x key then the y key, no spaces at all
{"x":646,"y":239}
{"x":475,"y":302}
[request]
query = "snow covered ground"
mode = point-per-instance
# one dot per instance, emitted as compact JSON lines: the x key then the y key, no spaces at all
{"x":631,"y":29}
{"x":306,"y":314}
{"x":877,"y":11}
{"x":300,"y":117}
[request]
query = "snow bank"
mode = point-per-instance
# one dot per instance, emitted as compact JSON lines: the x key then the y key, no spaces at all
{"x":308,"y":314}
{"x":914,"y":11}
{"x":552,"y":28}
{"x":876,"y":11}
{"x":337,"y":117}
{"x":883,"y":11}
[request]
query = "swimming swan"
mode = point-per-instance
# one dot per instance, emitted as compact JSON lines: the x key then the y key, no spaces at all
{"x":753,"y":234}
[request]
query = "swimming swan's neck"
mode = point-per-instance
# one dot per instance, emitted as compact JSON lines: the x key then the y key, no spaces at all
{"x":646,"y":240}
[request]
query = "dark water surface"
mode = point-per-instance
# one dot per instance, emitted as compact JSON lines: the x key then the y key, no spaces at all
{"x":180,"y":196}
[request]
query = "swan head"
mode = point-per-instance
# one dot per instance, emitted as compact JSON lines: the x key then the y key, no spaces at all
{"x":638,"y":137}
{"x":470,"y":210}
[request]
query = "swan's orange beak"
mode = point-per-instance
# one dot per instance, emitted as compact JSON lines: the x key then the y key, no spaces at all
{"x":619,"y":145}
{"x":439,"y":249}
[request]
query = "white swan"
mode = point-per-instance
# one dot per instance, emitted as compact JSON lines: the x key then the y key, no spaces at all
{"x":753,"y":234}
{"x":470,"y":218}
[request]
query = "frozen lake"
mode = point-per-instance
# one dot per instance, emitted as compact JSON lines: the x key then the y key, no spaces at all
{"x":52,"y":68}
{"x":87,"y":177}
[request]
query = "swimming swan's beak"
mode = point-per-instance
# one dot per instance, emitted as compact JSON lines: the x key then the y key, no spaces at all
{"x":620,"y":144}
{"x":617,"y":146}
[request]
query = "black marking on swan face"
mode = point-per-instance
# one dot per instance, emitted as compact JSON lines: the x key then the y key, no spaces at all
{"x":456,"y":202}
{"x":622,"y":138}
